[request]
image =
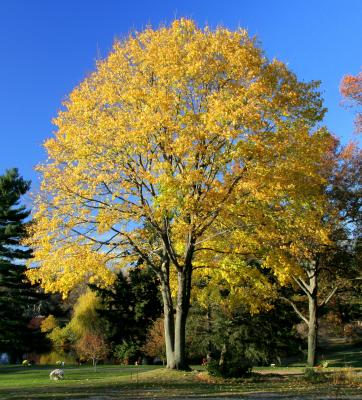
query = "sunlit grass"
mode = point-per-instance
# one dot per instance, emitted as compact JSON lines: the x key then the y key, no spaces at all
{"x":131,"y":382}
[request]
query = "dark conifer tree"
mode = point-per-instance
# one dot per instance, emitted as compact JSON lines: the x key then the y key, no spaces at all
{"x":130,"y":306}
{"x":17,"y":295}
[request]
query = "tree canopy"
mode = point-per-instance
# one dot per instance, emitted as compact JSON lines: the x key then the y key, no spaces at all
{"x":189,"y":149}
{"x":351,"y":89}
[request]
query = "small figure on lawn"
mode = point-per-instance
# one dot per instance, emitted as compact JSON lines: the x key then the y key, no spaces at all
{"x":56,"y":375}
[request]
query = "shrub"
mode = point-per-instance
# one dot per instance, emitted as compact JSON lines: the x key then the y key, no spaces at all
{"x":213,"y":368}
{"x":346,"y":376}
{"x":312,"y":376}
{"x":233,"y":368}
{"x":126,"y":352}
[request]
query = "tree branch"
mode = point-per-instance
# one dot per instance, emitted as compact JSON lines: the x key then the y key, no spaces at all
{"x":326,"y":300}
{"x":305,"y":319}
{"x":300,"y":282}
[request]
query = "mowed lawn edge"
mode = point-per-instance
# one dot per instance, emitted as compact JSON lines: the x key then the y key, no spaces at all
{"x":132,"y":382}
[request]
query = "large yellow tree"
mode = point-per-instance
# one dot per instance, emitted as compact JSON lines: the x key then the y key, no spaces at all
{"x":189,"y":150}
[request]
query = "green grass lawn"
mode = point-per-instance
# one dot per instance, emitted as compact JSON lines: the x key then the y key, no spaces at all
{"x":121,"y":382}
{"x":343,"y":355}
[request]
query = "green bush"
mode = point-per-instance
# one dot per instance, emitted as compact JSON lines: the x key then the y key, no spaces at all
{"x":126,"y":352}
{"x":312,"y":376}
{"x":233,"y":368}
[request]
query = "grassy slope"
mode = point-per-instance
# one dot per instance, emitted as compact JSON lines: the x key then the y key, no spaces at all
{"x":131,"y":382}
{"x":343,"y":355}
{"x":337,"y":356}
{"x":114,"y":382}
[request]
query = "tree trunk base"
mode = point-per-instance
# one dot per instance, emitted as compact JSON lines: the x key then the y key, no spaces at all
{"x":180,"y":367}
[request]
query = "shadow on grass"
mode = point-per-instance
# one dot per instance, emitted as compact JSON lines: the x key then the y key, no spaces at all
{"x":19,"y":369}
{"x":343,"y":355}
{"x":161,"y":388}
{"x":338,"y":355}
{"x":116,"y":382}
{"x":177,"y":392}
{"x":83,"y":390}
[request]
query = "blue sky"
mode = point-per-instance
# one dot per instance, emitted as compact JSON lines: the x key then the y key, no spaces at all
{"x":47,"y":47}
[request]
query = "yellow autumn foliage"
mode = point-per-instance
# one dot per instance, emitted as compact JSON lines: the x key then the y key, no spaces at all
{"x":187,"y":142}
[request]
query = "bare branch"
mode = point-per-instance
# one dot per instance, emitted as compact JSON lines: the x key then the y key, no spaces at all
{"x":295,"y":308}
{"x":331,"y":294}
{"x":303,"y":285}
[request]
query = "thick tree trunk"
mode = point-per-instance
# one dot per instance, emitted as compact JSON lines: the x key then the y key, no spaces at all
{"x":182,"y":309}
{"x":169,"y":335}
{"x":312,"y":332}
{"x":313,"y":319}
{"x":310,"y":288}
{"x":169,"y":321}
{"x":175,"y":326}
{"x":180,"y":331}
{"x":169,"y":328}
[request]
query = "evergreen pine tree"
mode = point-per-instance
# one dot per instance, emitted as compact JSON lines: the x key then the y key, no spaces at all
{"x":16,"y":294}
{"x":130,"y":306}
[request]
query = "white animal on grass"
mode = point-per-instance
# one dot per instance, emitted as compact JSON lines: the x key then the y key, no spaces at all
{"x":56,"y":374}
